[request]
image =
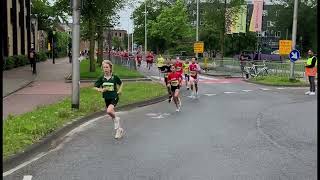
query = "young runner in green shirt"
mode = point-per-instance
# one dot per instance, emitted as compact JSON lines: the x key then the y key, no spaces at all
{"x":108,"y":85}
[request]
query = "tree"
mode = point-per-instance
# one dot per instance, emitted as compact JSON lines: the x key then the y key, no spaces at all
{"x":215,"y":18}
{"x":171,"y":28}
{"x":97,"y":15}
{"x":154,"y":9}
{"x":282,"y":15}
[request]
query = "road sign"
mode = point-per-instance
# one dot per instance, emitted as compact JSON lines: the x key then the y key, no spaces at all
{"x":198,"y":47}
{"x":294,"y":55}
{"x":285,"y":47}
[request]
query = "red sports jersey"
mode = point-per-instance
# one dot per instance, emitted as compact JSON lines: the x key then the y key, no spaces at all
{"x":174,"y":78}
{"x":179,"y":66}
{"x":193,"y":68}
{"x":150,"y":58}
{"x":139,"y":57}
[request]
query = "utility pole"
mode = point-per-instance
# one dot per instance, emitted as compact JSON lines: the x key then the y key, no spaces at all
{"x":145,"y":30}
{"x":197,"y":31}
{"x":75,"y":54}
{"x":132,"y":42}
{"x":294,"y":35}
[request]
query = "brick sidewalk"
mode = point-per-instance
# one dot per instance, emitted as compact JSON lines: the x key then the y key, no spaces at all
{"x":48,"y":86}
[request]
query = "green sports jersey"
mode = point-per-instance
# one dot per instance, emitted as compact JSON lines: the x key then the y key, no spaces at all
{"x":110,"y":85}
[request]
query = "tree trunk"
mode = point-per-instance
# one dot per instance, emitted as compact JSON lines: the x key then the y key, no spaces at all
{"x":221,"y":47}
{"x":92,"y":45}
{"x":100,"y":46}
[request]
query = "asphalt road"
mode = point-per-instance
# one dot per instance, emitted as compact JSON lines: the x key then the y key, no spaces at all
{"x":235,"y":130}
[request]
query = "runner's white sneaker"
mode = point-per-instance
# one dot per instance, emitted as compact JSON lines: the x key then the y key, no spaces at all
{"x":307,"y":93}
{"x":116,"y":123}
{"x":119,"y":133}
{"x":312,"y":93}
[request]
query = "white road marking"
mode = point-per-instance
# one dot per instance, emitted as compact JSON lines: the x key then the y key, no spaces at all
{"x":229,"y":92}
{"x":210,"y":94}
{"x":27,"y":177}
{"x":264,"y":89}
{"x":246,"y":90}
{"x":151,"y":114}
{"x":66,"y":138}
{"x":281,"y":88}
{"x":158,"y":117}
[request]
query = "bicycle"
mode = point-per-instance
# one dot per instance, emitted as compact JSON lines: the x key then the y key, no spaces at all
{"x":253,"y":71}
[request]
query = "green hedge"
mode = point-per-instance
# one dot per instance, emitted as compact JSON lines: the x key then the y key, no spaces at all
{"x":22,"y":60}
{"x":42,"y":56}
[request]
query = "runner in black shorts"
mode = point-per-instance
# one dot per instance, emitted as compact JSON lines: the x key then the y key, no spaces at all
{"x":174,"y":82}
{"x":108,"y":85}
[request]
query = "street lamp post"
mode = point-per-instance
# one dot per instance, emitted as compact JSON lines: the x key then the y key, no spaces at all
{"x":53,"y":46}
{"x":145,"y":30}
{"x":75,"y":54}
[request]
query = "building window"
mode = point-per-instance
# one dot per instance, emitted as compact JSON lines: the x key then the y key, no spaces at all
{"x":116,"y":34}
{"x":278,"y":34}
{"x":265,"y":13}
{"x":269,"y":24}
{"x":120,"y":34}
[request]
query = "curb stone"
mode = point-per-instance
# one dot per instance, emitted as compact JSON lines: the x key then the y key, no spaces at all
{"x":54,"y":139}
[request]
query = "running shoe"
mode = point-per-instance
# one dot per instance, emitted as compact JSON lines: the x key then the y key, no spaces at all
{"x":307,"y":93}
{"x":119,"y":133}
{"x":312,"y":93}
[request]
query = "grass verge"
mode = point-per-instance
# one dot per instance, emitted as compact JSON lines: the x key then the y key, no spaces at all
{"x":122,"y":72}
{"x":278,"y":81}
{"x":21,"y":131}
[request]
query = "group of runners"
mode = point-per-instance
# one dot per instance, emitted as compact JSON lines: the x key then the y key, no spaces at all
{"x":174,"y":70}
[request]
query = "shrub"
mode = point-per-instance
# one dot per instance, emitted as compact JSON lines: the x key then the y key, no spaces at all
{"x":9,"y":63}
{"x":21,"y":60}
{"x":42,"y":56}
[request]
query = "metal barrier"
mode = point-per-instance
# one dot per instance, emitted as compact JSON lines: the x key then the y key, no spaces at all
{"x":130,"y":63}
{"x":231,"y":65}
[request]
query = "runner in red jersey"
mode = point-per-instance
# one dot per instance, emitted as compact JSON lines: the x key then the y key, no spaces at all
{"x":175,"y":82}
{"x":179,"y":66}
{"x":139,"y":58}
{"x":194,"y":69}
{"x":149,"y":59}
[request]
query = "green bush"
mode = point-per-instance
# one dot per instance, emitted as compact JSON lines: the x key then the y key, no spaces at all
{"x":42,"y":56}
{"x":21,"y":60}
{"x":9,"y":63}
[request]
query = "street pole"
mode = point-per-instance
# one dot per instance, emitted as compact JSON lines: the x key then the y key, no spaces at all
{"x":294,"y":35}
{"x":75,"y":54}
{"x":145,"y":30}
{"x":197,"y":31}
{"x":132,"y":42}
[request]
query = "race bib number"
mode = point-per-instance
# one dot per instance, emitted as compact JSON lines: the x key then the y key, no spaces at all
{"x":193,"y":73}
{"x":174,"y":83}
{"x":108,"y":86}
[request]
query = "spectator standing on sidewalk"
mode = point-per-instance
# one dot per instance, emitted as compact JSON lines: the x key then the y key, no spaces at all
{"x":32,"y":58}
{"x":70,"y":56}
{"x":311,"y":72}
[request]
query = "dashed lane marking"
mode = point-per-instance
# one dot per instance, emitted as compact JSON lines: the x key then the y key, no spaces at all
{"x":27,"y":177}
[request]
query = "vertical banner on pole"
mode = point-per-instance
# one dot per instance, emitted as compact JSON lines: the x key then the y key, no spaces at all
{"x":256,"y":18}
